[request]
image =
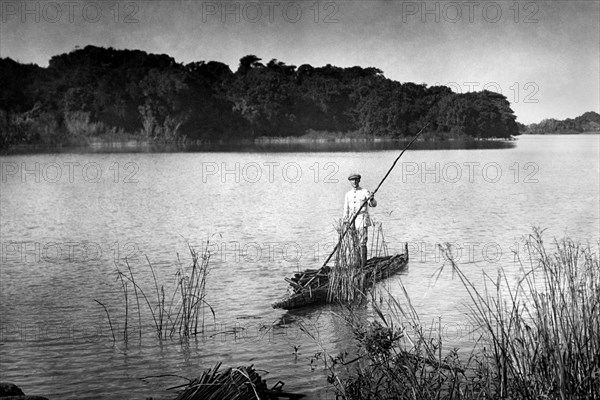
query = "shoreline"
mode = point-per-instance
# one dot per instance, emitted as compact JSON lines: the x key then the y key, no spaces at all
{"x":310,"y":141}
{"x":130,"y":142}
{"x":563,"y":133}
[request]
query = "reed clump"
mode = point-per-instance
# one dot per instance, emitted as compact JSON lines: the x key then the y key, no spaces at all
{"x":181,"y":313}
{"x":242,"y":383}
{"x":347,"y":280}
{"x":544,"y":333}
{"x":399,"y":360}
{"x":538,"y":338}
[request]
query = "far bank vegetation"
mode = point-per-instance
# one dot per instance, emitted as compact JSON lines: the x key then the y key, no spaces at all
{"x":103,"y":94}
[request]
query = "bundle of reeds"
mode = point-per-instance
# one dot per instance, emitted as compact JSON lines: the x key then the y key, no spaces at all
{"x":347,"y":280}
{"x":312,"y":286}
{"x":242,"y":383}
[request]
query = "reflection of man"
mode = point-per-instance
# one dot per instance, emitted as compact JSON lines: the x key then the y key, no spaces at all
{"x":352,"y":203}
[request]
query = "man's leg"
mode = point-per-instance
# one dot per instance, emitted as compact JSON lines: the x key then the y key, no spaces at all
{"x":363,"y":246}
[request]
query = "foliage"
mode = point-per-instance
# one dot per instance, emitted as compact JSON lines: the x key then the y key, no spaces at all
{"x":156,"y":98}
{"x":587,"y":122}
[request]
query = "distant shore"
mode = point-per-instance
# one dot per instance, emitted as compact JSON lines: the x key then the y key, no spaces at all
{"x":567,"y":132}
{"x":123,"y":142}
{"x":312,"y":141}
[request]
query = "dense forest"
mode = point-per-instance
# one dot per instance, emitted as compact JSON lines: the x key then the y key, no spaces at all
{"x":99,"y":92}
{"x":587,"y":122}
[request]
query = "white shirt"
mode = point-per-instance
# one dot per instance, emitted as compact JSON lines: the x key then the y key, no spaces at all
{"x":352,"y":202}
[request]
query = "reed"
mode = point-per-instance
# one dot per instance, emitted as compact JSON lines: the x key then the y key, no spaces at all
{"x":242,"y":383}
{"x":181,"y":313}
{"x":397,"y":357}
{"x":232,"y":383}
{"x":538,"y":338}
{"x":347,"y":283}
{"x":112,"y":331}
{"x":192,"y":291}
{"x":544,"y":333}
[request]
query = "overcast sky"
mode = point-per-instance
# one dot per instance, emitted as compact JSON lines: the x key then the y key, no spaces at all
{"x":544,"y":56}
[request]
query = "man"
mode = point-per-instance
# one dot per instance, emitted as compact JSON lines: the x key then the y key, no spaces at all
{"x":352,"y":203}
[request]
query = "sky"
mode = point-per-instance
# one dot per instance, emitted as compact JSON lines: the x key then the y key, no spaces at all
{"x":544,"y":56}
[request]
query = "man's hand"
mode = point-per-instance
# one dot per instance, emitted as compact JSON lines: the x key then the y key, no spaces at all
{"x":371,"y":200}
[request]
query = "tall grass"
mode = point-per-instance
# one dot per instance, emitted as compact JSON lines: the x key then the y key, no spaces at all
{"x":347,"y":281}
{"x":399,"y":358}
{"x":192,"y":290}
{"x":181,"y":313}
{"x":544,"y":333}
{"x":539,"y":338}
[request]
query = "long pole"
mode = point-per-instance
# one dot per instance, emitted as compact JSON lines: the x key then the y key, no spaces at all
{"x":347,"y":227}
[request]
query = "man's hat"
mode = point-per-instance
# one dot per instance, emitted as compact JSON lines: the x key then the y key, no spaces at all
{"x":353,"y":177}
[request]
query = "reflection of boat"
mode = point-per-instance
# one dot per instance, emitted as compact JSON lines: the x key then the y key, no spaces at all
{"x":311,"y":286}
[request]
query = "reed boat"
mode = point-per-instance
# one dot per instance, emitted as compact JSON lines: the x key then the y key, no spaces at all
{"x":311,"y":286}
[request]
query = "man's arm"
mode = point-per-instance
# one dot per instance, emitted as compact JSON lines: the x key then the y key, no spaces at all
{"x":372,"y":201}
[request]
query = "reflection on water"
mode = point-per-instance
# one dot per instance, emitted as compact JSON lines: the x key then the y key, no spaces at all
{"x":61,"y":237}
{"x":272,"y":146}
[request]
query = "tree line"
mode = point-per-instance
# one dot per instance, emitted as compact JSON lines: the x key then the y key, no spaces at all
{"x":587,"y":122}
{"x":95,"y":91}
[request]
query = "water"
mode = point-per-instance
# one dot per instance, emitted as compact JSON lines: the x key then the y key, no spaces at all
{"x":68,"y":217}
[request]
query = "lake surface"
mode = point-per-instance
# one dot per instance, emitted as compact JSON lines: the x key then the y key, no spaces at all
{"x":69,"y":218}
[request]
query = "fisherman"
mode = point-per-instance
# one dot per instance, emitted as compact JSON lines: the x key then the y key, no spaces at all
{"x":352,"y":203}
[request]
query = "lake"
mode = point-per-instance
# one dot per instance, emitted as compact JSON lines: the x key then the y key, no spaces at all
{"x":68,"y":218}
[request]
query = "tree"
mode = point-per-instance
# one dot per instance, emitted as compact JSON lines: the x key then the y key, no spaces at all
{"x":247,"y":63}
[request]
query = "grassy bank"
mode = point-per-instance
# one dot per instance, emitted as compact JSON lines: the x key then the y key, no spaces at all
{"x":538,"y":338}
{"x":37,"y":130}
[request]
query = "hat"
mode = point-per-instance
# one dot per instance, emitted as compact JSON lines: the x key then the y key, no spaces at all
{"x":354,"y":176}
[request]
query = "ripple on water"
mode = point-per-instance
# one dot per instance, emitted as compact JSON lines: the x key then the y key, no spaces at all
{"x":55,"y":340}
